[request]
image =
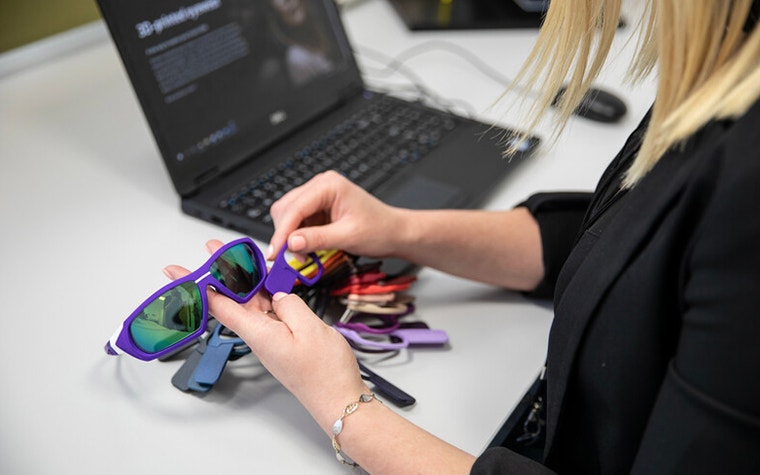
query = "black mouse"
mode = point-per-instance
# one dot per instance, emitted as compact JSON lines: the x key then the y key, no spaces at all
{"x":600,"y":106}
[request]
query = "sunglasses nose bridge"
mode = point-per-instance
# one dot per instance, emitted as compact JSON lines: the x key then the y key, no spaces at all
{"x":208,"y":280}
{"x":200,"y":281}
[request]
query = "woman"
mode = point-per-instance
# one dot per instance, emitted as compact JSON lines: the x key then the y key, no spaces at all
{"x":653,"y":356}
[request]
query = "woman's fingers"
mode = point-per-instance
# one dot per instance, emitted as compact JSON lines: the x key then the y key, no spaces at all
{"x":308,"y":204}
{"x":213,"y":245}
{"x":175,"y":272}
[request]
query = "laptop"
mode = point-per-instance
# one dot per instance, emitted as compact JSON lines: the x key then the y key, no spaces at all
{"x":248,"y":99}
{"x":472,"y":14}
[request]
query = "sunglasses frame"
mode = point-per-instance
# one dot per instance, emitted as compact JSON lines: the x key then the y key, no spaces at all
{"x":280,"y":278}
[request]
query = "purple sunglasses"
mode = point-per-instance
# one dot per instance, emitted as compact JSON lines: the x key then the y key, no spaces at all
{"x":177,"y":314}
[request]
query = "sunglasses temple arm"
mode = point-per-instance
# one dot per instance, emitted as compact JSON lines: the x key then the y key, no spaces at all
{"x":386,"y":388}
{"x":281,"y":276}
{"x":320,"y":270}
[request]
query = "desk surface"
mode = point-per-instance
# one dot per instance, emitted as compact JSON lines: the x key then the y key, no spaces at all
{"x":89,"y":218}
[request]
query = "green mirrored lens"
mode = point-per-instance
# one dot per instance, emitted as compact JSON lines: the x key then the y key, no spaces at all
{"x":236,"y":269}
{"x":169,"y":318}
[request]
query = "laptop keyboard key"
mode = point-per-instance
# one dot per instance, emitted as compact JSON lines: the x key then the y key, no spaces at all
{"x":369,"y":149}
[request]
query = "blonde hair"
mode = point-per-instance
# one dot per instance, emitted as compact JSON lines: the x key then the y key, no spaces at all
{"x":707,"y":66}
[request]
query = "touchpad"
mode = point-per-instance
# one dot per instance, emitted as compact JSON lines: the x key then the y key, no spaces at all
{"x":419,"y":192}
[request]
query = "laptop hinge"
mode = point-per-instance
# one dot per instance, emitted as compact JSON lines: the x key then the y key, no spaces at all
{"x":206,"y":176}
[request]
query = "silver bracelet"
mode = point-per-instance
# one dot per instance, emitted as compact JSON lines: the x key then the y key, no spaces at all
{"x":338,"y":426}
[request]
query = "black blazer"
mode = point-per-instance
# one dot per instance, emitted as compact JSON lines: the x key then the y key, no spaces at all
{"x":654,"y":353}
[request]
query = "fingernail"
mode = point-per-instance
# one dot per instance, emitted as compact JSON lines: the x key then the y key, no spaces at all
{"x":296,"y":243}
{"x":270,"y":252}
{"x":279,"y":296}
{"x":167,"y":273}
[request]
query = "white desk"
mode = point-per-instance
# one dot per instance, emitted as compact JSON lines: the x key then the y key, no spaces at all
{"x":89,"y":218}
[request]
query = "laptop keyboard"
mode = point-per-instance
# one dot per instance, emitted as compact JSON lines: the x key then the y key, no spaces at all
{"x":368,"y":148}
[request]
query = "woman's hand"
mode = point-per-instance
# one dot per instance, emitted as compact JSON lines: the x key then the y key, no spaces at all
{"x":331,"y":212}
{"x":311,"y":359}
{"x":316,"y":364}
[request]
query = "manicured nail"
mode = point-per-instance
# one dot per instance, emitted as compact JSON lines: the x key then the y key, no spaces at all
{"x":168,"y":274}
{"x":297,"y":243}
{"x":279,"y":296}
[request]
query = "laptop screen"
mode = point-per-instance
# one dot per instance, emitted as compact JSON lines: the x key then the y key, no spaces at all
{"x":219,"y":80}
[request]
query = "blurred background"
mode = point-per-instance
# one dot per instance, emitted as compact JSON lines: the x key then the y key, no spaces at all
{"x":26,"y":21}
